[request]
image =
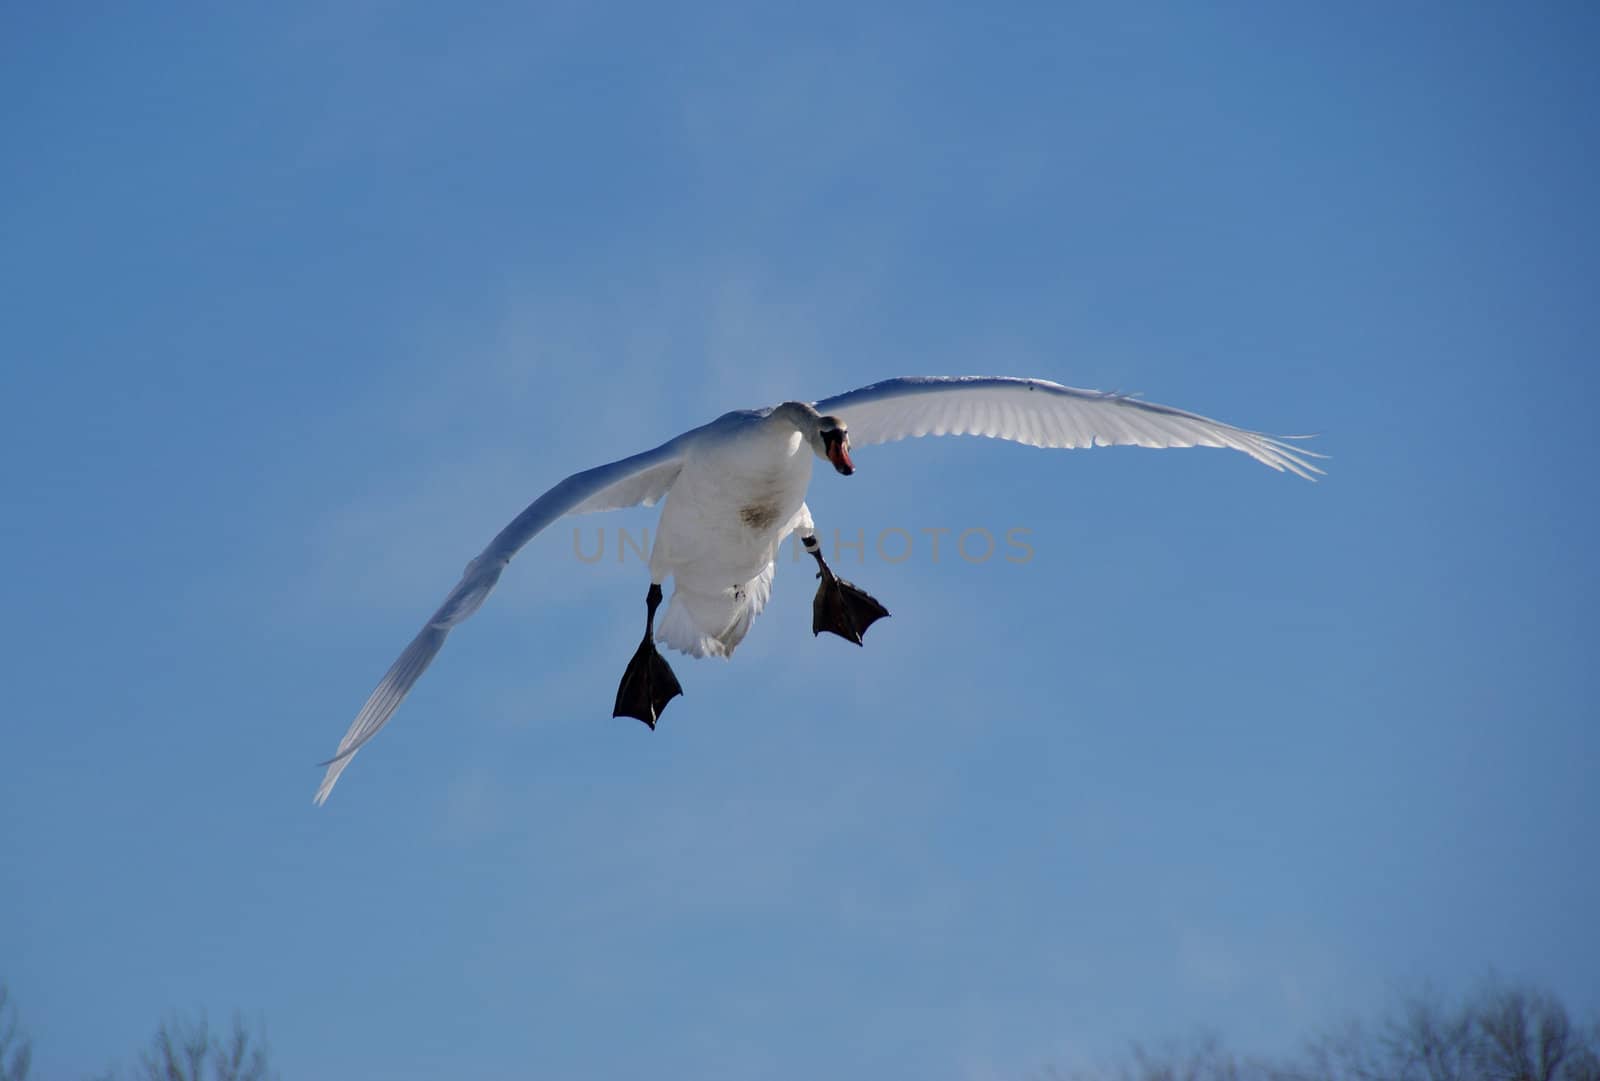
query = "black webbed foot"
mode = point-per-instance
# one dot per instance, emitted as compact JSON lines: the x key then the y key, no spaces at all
{"x":839,"y":606}
{"x":648,"y":683}
{"x":647,"y":686}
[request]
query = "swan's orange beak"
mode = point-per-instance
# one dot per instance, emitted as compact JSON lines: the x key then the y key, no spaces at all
{"x":837,"y":444}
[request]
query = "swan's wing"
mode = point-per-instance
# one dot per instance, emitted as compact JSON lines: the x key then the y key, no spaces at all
{"x":643,"y":478}
{"x":1043,"y":414}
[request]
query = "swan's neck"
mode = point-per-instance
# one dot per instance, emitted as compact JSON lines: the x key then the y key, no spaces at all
{"x":803,"y":417}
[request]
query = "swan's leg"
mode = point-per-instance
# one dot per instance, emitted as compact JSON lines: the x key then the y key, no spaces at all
{"x":648,"y":684}
{"x":839,"y":606}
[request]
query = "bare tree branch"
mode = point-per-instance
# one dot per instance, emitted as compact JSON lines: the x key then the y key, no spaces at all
{"x":16,"y":1050}
{"x":190,"y":1051}
{"x":1501,"y":1034}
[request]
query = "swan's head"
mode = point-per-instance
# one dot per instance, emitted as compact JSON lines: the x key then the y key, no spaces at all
{"x":829,"y":436}
{"x":834,"y":437}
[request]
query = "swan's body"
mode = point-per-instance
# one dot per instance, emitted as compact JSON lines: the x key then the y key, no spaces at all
{"x":735,"y":489}
{"x":740,"y":492}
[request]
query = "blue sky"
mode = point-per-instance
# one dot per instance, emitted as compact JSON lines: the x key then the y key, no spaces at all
{"x":299,"y":305}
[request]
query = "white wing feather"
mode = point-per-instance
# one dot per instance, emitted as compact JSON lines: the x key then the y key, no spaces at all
{"x":1043,"y":414}
{"x":641,"y":479}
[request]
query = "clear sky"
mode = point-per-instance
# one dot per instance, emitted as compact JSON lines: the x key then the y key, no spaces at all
{"x":300,"y":303}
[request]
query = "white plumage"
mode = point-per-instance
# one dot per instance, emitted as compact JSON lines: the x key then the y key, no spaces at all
{"x":736,"y":487}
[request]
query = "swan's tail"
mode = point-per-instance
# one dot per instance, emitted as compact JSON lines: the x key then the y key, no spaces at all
{"x":712,"y":623}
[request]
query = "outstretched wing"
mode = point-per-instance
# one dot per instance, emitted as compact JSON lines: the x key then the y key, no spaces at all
{"x":1043,"y":414}
{"x":643,"y":478}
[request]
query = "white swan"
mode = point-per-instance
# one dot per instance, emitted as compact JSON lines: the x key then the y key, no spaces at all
{"x":737,"y":489}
